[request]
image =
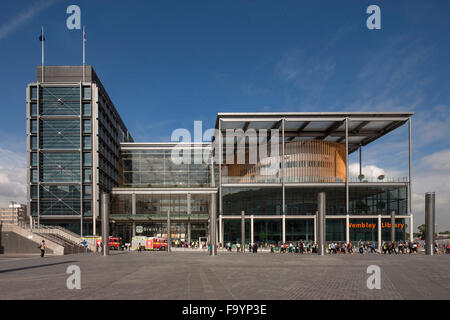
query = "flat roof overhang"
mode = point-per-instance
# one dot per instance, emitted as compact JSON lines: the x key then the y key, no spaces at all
{"x":205,"y":190}
{"x":163,"y":145}
{"x":363,"y":127}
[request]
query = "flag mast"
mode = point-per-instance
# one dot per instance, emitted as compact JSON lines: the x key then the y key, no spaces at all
{"x":42,"y":47}
{"x":84,"y":55}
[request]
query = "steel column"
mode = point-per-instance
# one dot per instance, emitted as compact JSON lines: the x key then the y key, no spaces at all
{"x":379,"y":233}
{"x":411,"y":228}
{"x":429,"y":222}
{"x":360,"y":160}
{"x":252,"y":240}
{"x":189,"y":232}
{"x":393,"y":226}
{"x":347,"y":228}
{"x":105,"y":223}
{"x":243,"y":231}
{"x":315,"y":228}
{"x":410,"y":167}
{"x":321,"y":205}
{"x":221,"y":230}
{"x":283,"y":195}
{"x":212,"y":226}
{"x":169,"y":240}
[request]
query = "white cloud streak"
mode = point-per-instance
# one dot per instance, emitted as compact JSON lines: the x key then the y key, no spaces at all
{"x":23,"y":17}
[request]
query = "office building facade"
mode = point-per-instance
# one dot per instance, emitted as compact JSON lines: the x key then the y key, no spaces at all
{"x":73,"y":138}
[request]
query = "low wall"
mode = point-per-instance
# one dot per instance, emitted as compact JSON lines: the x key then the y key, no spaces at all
{"x":15,"y":239}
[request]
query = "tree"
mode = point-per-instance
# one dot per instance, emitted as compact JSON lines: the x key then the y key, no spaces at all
{"x":421,"y":229}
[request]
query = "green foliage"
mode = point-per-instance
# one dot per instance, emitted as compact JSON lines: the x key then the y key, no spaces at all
{"x":421,"y":229}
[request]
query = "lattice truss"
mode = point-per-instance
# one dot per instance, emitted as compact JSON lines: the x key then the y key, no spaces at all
{"x":59,"y":166}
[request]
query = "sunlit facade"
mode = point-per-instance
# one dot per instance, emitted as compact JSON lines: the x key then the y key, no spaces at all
{"x":152,"y":185}
{"x":277,"y":189}
{"x":73,"y":137}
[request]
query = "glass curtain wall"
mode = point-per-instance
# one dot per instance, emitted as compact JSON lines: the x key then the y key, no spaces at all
{"x":155,"y":168}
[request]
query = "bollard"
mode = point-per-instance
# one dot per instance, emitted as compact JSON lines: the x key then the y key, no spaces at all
{"x":429,"y":222}
{"x":321,"y":229}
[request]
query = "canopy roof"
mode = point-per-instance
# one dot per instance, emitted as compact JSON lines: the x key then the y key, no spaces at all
{"x":363,"y":127}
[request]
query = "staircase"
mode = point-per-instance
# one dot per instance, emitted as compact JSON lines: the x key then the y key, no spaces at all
{"x":63,"y":240}
{"x":29,"y":238}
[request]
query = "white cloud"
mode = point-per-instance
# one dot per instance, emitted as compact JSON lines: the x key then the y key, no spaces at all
{"x":369,"y":171}
{"x":11,"y":25}
{"x":12,"y":177}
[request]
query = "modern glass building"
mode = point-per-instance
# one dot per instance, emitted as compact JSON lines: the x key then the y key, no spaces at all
{"x":153,"y":184}
{"x":269,"y":166}
{"x":298,"y":155}
{"x":73,"y":140}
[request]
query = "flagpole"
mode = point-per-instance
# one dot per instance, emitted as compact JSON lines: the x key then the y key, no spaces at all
{"x":84,"y":55}
{"x":42,"y":45}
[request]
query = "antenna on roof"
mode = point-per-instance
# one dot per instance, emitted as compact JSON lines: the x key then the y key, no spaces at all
{"x":42,"y":39}
{"x":84,"y":54}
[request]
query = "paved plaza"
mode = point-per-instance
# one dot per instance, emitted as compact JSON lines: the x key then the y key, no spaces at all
{"x":196,"y":275}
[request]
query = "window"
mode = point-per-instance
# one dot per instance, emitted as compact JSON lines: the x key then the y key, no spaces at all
{"x":33,"y":126}
{"x":86,"y":109}
{"x":87,"y":142}
{"x":87,"y":175}
{"x":86,"y":126}
{"x":86,"y":159}
{"x":34,"y":175}
{"x":33,"y":109}
{"x":87,"y":209}
{"x":34,"y":191}
{"x":33,"y":159}
{"x":86,"y":93}
{"x":33,"y":142}
{"x":87,"y":192}
{"x":33,"y":93}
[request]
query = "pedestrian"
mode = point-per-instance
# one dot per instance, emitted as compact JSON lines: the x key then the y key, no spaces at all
{"x":42,"y":247}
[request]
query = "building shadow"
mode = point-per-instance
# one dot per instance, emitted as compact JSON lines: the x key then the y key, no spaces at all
{"x":35,"y":267}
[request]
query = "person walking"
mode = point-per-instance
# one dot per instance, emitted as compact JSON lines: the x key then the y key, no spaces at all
{"x":42,"y":247}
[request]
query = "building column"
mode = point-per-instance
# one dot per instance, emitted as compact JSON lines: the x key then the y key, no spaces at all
{"x":410,"y":167}
{"x":379,"y":233}
{"x":252,"y":240}
{"x":221,"y":230}
{"x":315,"y":228}
{"x":189,"y":210}
{"x":347,"y":219}
{"x":283,"y":228}
{"x":169,"y":240}
{"x":321,"y":228}
{"x":189,"y":232}
{"x":347,"y":229}
{"x":212,"y":227}
{"x":393,"y":226}
{"x":133,"y":212}
{"x":242,"y":231}
{"x":105,"y":223}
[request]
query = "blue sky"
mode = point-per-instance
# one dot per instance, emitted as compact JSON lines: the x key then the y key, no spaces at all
{"x":168,"y":63}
